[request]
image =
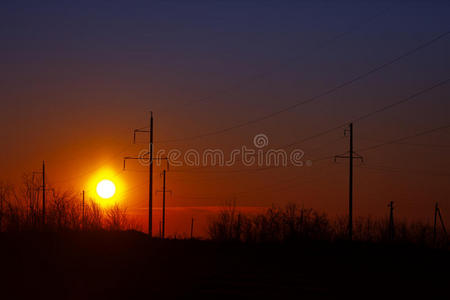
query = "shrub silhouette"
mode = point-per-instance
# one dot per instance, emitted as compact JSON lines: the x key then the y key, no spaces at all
{"x":21,"y":210}
{"x":292,"y":223}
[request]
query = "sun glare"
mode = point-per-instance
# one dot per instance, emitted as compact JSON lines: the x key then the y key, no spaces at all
{"x":106,"y":189}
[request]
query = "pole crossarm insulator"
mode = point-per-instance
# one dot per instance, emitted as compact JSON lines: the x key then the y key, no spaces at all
{"x":128,"y":157}
{"x":138,"y":131}
{"x":354,"y":156}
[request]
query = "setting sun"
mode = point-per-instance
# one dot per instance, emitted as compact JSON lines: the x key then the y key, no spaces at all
{"x":106,"y":189}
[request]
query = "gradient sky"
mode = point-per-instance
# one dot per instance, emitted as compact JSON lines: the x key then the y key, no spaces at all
{"x":78,"y":77}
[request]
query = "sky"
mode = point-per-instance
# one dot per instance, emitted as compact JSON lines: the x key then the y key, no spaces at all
{"x":78,"y":77}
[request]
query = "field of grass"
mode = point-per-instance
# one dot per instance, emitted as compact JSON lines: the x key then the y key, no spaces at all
{"x":129,"y":265}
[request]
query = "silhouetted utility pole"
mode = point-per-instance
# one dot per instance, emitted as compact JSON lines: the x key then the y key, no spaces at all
{"x":150,"y":176}
{"x":437,"y":213}
{"x":164,"y":191}
{"x":164,"y":206}
{"x":150,"y":180}
{"x":192,"y":228}
{"x":43,"y":188}
{"x":351,"y":155}
{"x":82,"y":218}
{"x":391,"y":221}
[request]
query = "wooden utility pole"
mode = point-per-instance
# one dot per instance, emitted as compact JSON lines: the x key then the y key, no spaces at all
{"x":192,"y":228}
{"x":351,"y":155}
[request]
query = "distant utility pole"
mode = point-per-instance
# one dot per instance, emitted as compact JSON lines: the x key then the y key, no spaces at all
{"x":351,"y":155}
{"x":164,"y":191}
{"x":192,"y":228}
{"x":82,"y":218}
{"x":164,"y":206}
{"x":391,"y":221}
{"x":437,"y":213}
{"x":43,"y":188}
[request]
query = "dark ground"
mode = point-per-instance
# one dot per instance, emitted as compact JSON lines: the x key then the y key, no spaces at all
{"x":129,"y":266}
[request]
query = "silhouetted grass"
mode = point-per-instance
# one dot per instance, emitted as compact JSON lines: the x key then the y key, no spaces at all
{"x":21,"y":210}
{"x":293,"y":223}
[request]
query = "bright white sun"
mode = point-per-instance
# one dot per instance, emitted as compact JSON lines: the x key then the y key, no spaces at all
{"x":106,"y":189}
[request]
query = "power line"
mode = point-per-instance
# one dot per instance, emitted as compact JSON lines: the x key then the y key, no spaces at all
{"x":443,"y":146}
{"x":370,"y":114}
{"x":323,"y":159}
{"x":352,"y":28}
{"x":329,"y":130}
{"x":376,"y":146}
{"x":320,"y":95}
{"x":379,"y":145}
{"x":428,"y":131}
{"x":406,"y":171}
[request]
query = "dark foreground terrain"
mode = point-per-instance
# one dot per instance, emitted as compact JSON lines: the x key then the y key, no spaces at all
{"x":128,"y":265}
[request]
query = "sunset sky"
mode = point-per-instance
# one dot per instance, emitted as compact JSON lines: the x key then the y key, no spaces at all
{"x":77,"y":78}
